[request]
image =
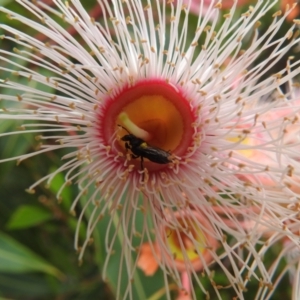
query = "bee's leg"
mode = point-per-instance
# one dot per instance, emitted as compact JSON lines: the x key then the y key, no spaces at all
{"x":127,"y":146}
{"x":142,"y":168}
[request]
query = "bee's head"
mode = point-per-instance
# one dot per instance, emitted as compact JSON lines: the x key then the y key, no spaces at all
{"x":131,"y":138}
{"x":128,"y":137}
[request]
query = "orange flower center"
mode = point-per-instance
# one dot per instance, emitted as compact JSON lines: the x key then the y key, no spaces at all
{"x":155,"y":112}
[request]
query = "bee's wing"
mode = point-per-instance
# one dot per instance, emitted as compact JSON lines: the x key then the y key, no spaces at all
{"x":156,"y":155}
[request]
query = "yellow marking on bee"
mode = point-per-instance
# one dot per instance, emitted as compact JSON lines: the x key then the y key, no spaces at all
{"x":144,"y":145}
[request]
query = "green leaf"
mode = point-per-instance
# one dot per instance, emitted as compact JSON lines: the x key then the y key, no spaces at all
{"x":25,"y":286}
{"x":13,"y":145}
{"x":16,"y":258}
{"x":5,"y":2}
{"x":27,"y":216}
{"x":55,"y":186}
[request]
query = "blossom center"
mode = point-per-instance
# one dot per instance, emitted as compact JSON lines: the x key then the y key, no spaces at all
{"x":245,"y":142}
{"x":181,"y":244}
{"x":155,"y":112}
{"x":189,"y":241}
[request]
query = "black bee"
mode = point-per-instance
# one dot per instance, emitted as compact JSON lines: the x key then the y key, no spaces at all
{"x":140,"y":148}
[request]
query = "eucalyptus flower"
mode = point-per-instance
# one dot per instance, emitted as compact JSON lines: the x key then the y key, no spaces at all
{"x":165,"y":122}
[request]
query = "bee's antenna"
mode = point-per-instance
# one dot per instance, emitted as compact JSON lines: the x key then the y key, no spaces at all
{"x":124,"y":128}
